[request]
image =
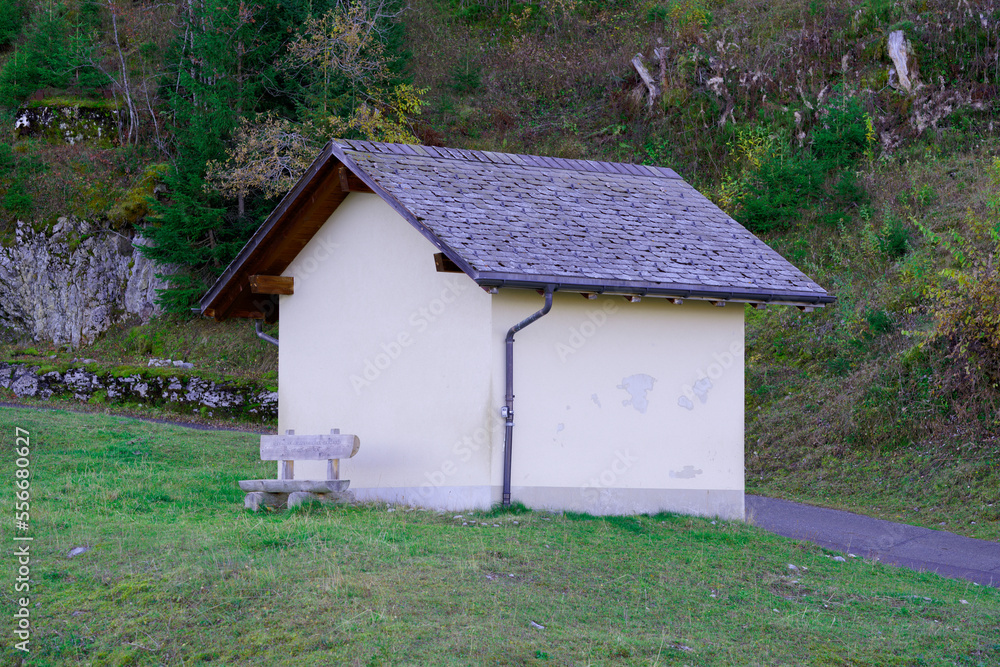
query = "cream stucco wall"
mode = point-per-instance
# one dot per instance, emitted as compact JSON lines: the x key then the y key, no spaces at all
{"x":375,"y":342}
{"x":620,"y":407}
{"x":625,"y":407}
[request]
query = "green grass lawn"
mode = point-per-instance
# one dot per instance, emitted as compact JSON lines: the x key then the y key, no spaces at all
{"x":177,"y":572}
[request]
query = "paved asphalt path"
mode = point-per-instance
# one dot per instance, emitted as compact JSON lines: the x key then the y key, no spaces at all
{"x":917,"y":548}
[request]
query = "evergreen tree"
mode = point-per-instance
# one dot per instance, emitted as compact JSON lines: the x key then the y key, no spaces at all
{"x":52,"y":54}
{"x":221,"y":67}
{"x":229,"y":64}
{"x":13,"y":14}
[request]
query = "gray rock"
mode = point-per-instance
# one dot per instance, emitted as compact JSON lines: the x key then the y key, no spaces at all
{"x":71,"y":282}
{"x":26,"y":384}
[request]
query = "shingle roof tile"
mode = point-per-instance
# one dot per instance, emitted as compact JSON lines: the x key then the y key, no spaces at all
{"x":544,"y":218}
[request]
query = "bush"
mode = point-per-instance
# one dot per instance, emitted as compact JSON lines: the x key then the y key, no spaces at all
{"x":465,"y":78}
{"x":843,"y":137}
{"x":16,"y":173}
{"x":783,"y":186}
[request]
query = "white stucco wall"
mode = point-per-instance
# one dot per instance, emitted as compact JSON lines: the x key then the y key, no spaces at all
{"x":620,"y":407}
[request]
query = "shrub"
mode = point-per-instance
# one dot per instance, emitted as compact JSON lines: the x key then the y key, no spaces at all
{"x":465,"y":78}
{"x":879,"y":321}
{"x":782,"y":185}
{"x":843,"y":137}
{"x":966,"y":302}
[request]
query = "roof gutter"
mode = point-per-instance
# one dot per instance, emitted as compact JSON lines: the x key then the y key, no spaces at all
{"x":507,"y":412}
{"x":644,"y":289}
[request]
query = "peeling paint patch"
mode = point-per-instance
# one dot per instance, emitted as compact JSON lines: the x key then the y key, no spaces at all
{"x":701,"y":388}
{"x":596,"y":400}
{"x":685,"y":403}
{"x":638,"y":386}
{"x":687,"y":472}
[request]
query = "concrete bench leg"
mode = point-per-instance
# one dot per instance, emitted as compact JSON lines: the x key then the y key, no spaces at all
{"x":296,"y":498}
{"x":256,"y":499}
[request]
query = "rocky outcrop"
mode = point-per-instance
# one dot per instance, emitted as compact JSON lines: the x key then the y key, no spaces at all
{"x":71,"y":282}
{"x":68,"y":124}
{"x":177,"y":392}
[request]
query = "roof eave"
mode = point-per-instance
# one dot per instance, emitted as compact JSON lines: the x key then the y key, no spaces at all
{"x":208,"y":300}
{"x":630,"y":287}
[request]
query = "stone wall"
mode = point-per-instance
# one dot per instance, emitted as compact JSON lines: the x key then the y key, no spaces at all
{"x":72,"y":281}
{"x":173,"y":392}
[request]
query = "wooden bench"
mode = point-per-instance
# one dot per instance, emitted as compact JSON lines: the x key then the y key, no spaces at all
{"x":289,"y":492}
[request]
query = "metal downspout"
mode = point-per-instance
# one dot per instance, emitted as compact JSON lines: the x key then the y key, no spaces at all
{"x":508,"y":410}
{"x":259,"y":328}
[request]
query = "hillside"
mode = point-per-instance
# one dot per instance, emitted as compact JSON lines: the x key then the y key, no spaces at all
{"x":795,"y":117}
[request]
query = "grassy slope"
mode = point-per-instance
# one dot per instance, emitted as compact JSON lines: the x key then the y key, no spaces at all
{"x":178,"y":572}
{"x":217,"y":350}
{"x":228,"y":352}
{"x":857,"y":406}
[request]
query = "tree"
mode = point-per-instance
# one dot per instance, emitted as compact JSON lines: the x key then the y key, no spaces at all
{"x":220,"y":65}
{"x":347,"y":62}
{"x":13,"y":15}
{"x":268,"y":156}
{"x":253,"y":89}
{"x":51,"y":54}
{"x":129,"y":57}
{"x":344,"y":42}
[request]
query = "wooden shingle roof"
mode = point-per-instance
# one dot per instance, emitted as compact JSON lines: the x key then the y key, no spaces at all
{"x":530,"y":222}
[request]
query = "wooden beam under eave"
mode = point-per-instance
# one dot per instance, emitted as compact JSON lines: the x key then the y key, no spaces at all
{"x":349,"y":182}
{"x":445,"y":265}
{"x":261,"y":284}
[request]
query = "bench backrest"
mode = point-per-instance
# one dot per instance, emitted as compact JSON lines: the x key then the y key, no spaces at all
{"x":291,"y":447}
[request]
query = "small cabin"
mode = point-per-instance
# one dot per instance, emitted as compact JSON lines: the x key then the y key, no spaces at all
{"x":497,"y":328}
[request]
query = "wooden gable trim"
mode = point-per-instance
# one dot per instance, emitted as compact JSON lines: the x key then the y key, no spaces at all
{"x":296,"y":220}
